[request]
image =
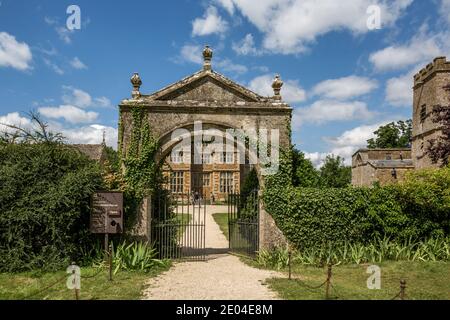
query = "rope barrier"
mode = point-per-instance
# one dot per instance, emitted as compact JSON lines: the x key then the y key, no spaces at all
{"x":45,"y":289}
{"x":92,"y":276}
{"x":59,"y":281}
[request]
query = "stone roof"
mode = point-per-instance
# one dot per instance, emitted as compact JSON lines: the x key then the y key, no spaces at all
{"x":170,"y":89}
{"x":391,"y":163}
{"x":205,"y":85}
{"x":93,"y":151}
{"x":380,"y":150}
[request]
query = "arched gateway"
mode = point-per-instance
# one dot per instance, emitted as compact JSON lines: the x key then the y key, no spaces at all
{"x":214,"y":102}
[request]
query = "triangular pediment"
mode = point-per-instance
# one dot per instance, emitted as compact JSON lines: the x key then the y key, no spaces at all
{"x":206,"y":86}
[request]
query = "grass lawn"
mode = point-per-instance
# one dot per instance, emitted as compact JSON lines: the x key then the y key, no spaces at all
{"x":424,"y":281}
{"x":222,"y":220}
{"x":126,"y":285}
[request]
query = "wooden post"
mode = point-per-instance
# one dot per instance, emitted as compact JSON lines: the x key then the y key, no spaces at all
{"x":289,"y":263}
{"x":402,"y":289}
{"x":106,"y":247}
{"x":110,"y":262}
{"x":327,"y":292}
{"x":76,"y":290}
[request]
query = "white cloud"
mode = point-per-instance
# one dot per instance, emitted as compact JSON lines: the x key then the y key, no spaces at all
{"x":346,"y":144}
{"x":291,"y":25}
{"x":192,"y":53}
{"x":53,"y":66}
{"x":323,"y":111}
{"x":227,"y":65}
{"x":64,"y":34}
{"x":445,"y":10}
{"x":227,"y":5}
{"x":316,"y":158}
{"x":421,"y":48}
{"x":14,"y":54}
{"x":69,"y":113}
{"x":291,"y":91}
{"x":345,"y":88}
{"x":76,"y":97}
{"x":211,"y":23}
{"x":82,"y":99}
{"x":15,"y":119}
{"x":76,"y":63}
{"x":246,"y":46}
{"x":62,"y":31}
{"x":92,"y":134}
{"x":399,"y":92}
{"x":102,"y":102}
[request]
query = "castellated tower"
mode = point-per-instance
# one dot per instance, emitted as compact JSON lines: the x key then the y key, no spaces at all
{"x":428,"y":92}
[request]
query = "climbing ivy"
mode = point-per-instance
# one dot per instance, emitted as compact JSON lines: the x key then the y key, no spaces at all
{"x":312,"y":216}
{"x":142,"y":175}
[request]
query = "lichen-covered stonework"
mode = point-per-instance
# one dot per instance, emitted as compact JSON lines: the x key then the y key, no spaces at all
{"x":217,"y":102}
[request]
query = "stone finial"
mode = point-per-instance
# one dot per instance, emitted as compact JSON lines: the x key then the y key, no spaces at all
{"x":276,"y":85}
{"x":207,"y":57}
{"x":104,"y":138}
{"x":136,"y":82}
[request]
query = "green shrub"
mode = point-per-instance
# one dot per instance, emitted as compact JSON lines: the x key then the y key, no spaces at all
{"x":136,"y":256}
{"x":377,"y":251}
{"x":418,"y":208}
{"x":44,"y":205}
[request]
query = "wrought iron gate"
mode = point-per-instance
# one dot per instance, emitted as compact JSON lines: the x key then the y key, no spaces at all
{"x":178,"y":226}
{"x":243,"y":223}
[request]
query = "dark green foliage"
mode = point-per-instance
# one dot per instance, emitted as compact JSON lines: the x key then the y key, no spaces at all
{"x":416,"y":209}
{"x":312,"y":216}
{"x":248,"y":197}
{"x":439,"y":149}
{"x":334,"y":174}
{"x":392,"y":135}
{"x":45,"y":190}
{"x":305,"y":175}
{"x":251,"y":183}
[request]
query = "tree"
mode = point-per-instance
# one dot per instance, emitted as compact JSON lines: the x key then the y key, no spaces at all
{"x":305,"y":175}
{"x":37,"y":132}
{"x":45,"y":189}
{"x":393,"y":135}
{"x":439,"y":149}
{"x":334,"y":173}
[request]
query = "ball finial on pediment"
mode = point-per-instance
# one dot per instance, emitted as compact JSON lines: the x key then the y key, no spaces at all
{"x":136,"y":82}
{"x":276,"y":85}
{"x":207,"y":57}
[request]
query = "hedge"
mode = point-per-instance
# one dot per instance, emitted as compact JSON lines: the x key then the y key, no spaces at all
{"x":44,"y":205}
{"x":415,"y":209}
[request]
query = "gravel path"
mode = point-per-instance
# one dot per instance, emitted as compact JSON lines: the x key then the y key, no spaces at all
{"x":221,"y":277}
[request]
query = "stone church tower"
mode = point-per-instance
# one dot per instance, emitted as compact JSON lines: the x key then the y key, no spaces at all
{"x":429,"y":91}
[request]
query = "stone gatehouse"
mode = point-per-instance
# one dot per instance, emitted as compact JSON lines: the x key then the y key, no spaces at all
{"x":217,"y":102}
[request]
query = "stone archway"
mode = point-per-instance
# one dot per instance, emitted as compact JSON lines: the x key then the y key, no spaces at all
{"x":209,"y":97}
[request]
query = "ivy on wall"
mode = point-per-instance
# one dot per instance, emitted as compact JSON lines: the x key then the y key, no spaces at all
{"x":417,"y":208}
{"x":142,"y":175}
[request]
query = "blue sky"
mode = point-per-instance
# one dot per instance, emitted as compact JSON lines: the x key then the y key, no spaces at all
{"x":342,"y":79}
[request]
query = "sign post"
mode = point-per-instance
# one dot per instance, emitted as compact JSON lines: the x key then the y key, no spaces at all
{"x":107,"y":218}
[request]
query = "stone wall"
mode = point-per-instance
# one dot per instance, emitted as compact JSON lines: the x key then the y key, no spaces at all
{"x":375,"y":165}
{"x":428,"y":92}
